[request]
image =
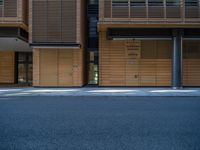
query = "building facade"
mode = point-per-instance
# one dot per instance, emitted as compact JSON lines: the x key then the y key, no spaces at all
{"x":14,"y":47}
{"x":149,"y":43}
{"x":57,"y":36}
{"x":72,"y":43}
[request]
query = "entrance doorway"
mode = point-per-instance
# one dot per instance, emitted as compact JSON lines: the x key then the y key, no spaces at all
{"x":24,"y":68}
{"x":92,"y":66}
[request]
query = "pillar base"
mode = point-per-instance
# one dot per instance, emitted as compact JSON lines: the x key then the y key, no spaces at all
{"x":177,"y":88}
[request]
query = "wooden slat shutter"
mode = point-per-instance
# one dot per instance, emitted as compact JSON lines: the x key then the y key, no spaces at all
{"x":10,"y":8}
{"x":1,"y":9}
{"x":39,"y":21}
{"x":69,"y":21}
{"x":54,"y":21}
{"x":107,"y":8}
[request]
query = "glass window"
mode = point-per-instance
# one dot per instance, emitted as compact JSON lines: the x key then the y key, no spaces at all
{"x":93,"y":73}
{"x":25,"y":67}
{"x":138,"y":2}
{"x":191,"y":3}
{"x":92,"y":67}
{"x":155,"y":3}
{"x":22,"y":57}
{"x":172,"y":2}
{"x":120,"y":3}
{"x":30,"y":73}
{"x":30,"y":57}
{"x":1,"y":2}
{"x":22,"y":73}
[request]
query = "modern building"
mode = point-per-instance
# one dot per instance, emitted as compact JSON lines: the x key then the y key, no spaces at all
{"x":149,"y":43}
{"x":72,"y":43}
{"x":15,"y":52}
{"x":57,"y":36}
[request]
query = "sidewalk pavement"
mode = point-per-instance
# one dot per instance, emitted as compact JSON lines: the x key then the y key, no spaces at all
{"x":97,"y":91}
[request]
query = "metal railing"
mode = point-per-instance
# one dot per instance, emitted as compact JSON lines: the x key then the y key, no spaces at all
{"x":146,"y":11}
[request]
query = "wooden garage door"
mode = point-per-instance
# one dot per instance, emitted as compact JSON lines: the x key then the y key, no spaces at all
{"x":134,"y":63}
{"x":191,"y":63}
{"x":48,"y":67}
{"x":155,"y":63}
{"x":56,"y":67}
{"x":7,"y":67}
{"x":65,"y":72}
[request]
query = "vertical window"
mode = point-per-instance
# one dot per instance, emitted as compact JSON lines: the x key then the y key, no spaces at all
{"x":92,"y":67}
{"x":25,"y":67}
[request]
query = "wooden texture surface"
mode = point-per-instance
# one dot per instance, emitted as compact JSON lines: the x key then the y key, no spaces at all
{"x":58,"y":67}
{"x":134,"y":63}
{"x":159,"y":12}
{"x":191,"y":63}
{"x":7,"y":67}
{"x":152,"y":67}
{"x":14,"y":13}
{"x":57,"y":21}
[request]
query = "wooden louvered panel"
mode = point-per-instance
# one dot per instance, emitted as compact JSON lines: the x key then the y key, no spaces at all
{"x":1,"y":9}
{"x":134,"y":63}
{"x":163,"y":49}
{"x":163,"y":72}
{"x":65,"y":66}
{"x":58,"y":67}
{"x":191,"y":72}
{"x":133,"y":55}
{"x":7,"y":64}
{"x":39,"y":25}
{"x":147,"y":72}
{"x":150,"y":12}
{"x":192,"y":12}
{"x":107,"y":8}
{"x":156,"y":12}
{"x":69,"y":21}
{"x":173,"y":12}
{"x":14,"y":13}
{"x":36,"y":67}
{"x":120,"y":12}
{"x":148,"y":49}
{"x":138,"y":12}
{"x":117,"y":61}
{"x":191,"y":63}
{"x":25,"y":8}
{"x":54,"y":21}
{"x":10,"y":8}
{"x":48,"y":67}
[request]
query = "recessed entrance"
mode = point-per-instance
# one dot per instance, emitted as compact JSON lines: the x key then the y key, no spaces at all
{"x":92,"y":67}
{"x":24,"y":68}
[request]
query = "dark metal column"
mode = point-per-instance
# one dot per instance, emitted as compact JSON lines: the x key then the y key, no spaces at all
{"x":177,"y":59}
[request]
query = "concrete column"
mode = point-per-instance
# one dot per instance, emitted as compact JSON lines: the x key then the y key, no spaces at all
{"x":177,"y":59}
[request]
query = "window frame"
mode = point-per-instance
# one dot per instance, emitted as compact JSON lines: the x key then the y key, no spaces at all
{"x":120,"y":3}
{"x":1,"y":2}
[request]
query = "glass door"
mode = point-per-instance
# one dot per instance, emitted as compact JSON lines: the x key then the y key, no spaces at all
{"x":24,"y":68}
{"x":92,"y":67}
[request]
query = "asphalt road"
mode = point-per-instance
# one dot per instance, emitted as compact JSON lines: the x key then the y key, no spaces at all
{"x":100,"y":123}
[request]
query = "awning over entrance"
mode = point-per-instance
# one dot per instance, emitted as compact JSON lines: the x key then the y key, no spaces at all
{"x":14,"y":39}
{"x":14,"y":44}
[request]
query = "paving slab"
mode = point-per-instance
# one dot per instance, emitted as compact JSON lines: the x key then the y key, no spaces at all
{"x":98,"y":91}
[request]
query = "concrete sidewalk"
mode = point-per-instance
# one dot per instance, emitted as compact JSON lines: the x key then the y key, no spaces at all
{"x":98,"y":91}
